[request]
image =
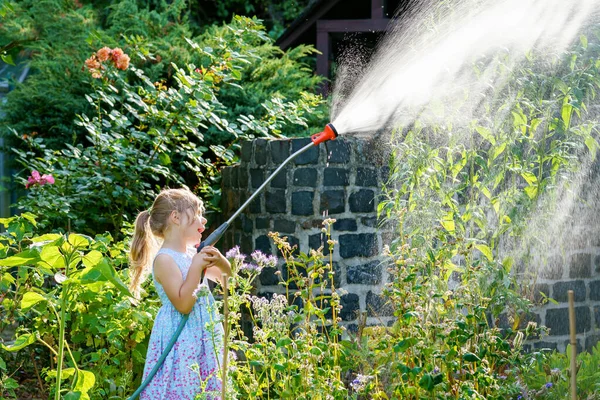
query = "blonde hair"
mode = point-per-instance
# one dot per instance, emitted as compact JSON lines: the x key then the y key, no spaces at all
{"x":150,"y":225}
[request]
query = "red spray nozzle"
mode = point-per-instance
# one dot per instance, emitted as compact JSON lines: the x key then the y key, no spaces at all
{"x":329,"y":133}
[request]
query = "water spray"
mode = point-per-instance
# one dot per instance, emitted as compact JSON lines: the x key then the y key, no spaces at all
{"x":329,"y":133}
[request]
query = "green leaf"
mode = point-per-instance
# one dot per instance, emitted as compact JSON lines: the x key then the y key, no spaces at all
{"x":92,"y":258}
{"x":21,"y":342}
{"x":30,"y":299}
{"x":78,"y":241}
{"x":48,"y":237}
{"x":529,"y":177}
{"x":284,"y":342}
{"x":110,"y":274}
{"x":30,"y":256}
{"x":7,"y":58}
{"x":486,"y":251}
{"x":85,"y":381}
{"x":426,"y":382}
{"x":404,"y":344}
{"x":470,"y":357}
{"x":448,"y":222}
{"x":486,"y":134}
{"x":592,"y":145}
{"x":52,"y":256}
{"x":72,"y":396}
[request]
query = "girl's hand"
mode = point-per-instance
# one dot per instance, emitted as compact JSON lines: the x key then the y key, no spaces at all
{"x":201,"y":261}
{"x":216,"y":259}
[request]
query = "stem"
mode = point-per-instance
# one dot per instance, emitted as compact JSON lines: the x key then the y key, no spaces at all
{"x":61,"y":341}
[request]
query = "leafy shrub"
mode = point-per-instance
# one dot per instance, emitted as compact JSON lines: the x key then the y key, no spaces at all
{"x":145,"y":135}
{"x":549,"y":376}
{"x":68,"y":286}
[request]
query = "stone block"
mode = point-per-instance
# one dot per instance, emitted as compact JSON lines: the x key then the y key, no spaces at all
{"x":384,"y":173}
{"x":263,"y":243}
{"x":545,"y":345}
{"x":560,"y":289}
{"x":552,"y":268}
{"x":597,"y":264}
{"x":364,"y":274}
{"x":255,"y":207}
{"x":239,"y":177}
{"x":280,"y":150}
{"x":246,"y":245}
{"x":597,"y":316}
{"x":279,"y":181}
{"x":350,"y":307}
{"x":595,"y":291}
{"x":580,"y":266}
{"x":318,"y":240}
{"x":305,"y":177}
{"x":338,"y":151}
{"x":371,"y":222}
{"x":366,"y":177}
{"x":345,"y":224}
{"x":247,"y":224}
{"x":284,"y":226}
{"x":336,"y":177}
{"x":246,"y":151}
{"x":362,"y":201}
{"x":558,"y":320}
{"x":310,"y":156}
{"x":262,"y":223}
{"x":378,"y":305}
{"x":226,"y":177}
{"x":275,"y":202}
{"x":268,"y":277}
{"x":358,"y":245}
{"x":333,"y":201}
{"x":257,"y":177}
{"x":260,"y":151}
{"x":302,"y":203}
{"x":591,"y":342}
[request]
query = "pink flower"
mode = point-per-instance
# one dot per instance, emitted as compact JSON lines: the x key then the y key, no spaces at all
{"x":116,"y":54}
{"x":36,"y":179}
{"x":104,"y":53}
{"x":92,"y":63}
{"x":122,"y":62}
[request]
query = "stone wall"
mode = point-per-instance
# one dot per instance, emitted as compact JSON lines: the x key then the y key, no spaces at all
{"x":342,"y":179}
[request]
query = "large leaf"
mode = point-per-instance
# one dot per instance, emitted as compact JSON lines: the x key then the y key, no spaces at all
{"x":486,"y":251}
{"x":110,"y":274}
{"x":85,"y":381}
{"x":21,"y":342}
{"x":51,"y":256}
{"x":30,"y":299}
{"x":29,"y":256}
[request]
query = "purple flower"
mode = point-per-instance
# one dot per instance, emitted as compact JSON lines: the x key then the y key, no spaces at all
{"x":37,"y":179}
{"x":548,"y":385}
{"x":235,"y":255}
{"x":263,"y":260}
{"x":436,"y":370}
{"x":251,"y":267}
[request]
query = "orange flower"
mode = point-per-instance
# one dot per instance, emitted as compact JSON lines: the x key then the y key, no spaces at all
{"x":122,"y":62}
{"x":104,"y":53}
{"x":96,"y":74}
{"x":116,"y":54}
{"x":92,"y":63}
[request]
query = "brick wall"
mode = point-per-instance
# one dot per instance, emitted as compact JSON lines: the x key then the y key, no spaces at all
{"x":342,"y":179}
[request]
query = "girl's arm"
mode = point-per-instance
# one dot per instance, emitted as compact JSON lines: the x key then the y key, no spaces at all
{"x":178,"y":291}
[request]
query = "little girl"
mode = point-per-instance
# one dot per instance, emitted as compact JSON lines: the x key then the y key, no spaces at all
{"x":176,"y":218}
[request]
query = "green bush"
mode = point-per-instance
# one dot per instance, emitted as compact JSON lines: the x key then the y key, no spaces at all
{"x":144,"y":135}
{"x":68,"y":286}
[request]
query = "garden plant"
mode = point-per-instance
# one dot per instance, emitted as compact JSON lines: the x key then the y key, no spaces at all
{"x":464,"y":203}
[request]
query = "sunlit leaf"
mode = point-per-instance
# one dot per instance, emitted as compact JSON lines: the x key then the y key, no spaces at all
{"x":30,"y":299}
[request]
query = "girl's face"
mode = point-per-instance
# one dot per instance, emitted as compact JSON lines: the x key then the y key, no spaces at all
{"x":192,"y":226}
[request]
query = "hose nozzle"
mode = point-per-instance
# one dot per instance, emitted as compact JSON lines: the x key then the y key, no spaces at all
{"x":329,"y":133}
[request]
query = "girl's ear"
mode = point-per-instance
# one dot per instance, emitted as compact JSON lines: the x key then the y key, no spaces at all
{"x":174,"y":217}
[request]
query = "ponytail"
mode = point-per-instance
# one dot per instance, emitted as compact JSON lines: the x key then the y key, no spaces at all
{"x":150,"y":226}
{"x":142,"y":246}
